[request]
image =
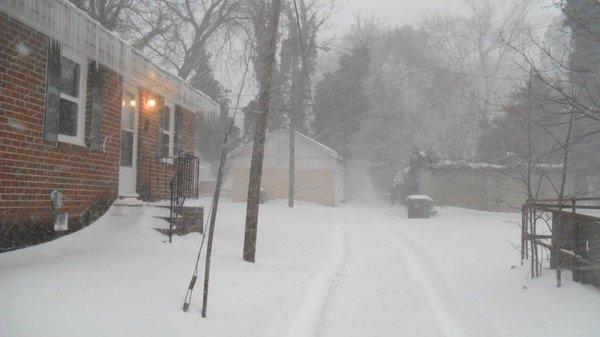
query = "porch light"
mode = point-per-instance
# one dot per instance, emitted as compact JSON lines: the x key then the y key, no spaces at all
{"x":151,"y":102}
{"x":133,"y":103}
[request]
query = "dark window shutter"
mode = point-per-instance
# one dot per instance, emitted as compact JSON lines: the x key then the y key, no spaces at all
{"x":159,"y":131}
{"x":51,"y":114}
{"x":178,"y":130}
{"x":97,"y":107}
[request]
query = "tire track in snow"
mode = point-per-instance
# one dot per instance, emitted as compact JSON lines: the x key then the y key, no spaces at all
{"x":307,"y":319}
{"x":422,"y":270}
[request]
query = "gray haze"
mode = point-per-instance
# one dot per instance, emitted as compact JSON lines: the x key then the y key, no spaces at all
{"x":393,"y":12}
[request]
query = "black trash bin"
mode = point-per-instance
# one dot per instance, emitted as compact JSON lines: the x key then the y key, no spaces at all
{"x":419,"y":206}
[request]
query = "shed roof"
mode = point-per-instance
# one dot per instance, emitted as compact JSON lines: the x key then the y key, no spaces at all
{"x":302,"y":136}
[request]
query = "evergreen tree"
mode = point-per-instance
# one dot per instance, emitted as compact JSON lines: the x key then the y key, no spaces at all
{"x":402,"y":99}
{"x":341,"y":102}
{"x":211,"y":131}
{"x":506,"y":141}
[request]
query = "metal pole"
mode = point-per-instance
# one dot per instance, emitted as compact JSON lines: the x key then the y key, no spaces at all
{"x":575,"y":239}
{"x":211,"y":231}
{"x":291,"y":180}
{"x":523,"y":231}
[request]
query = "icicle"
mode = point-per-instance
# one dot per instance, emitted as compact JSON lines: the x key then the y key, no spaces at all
{"x":113,"y":52}
{"x":29,"y":9}
{"x":97,"y":46}
{"x":46,"y":13}
{"x":66,"y":24}
{"x":122,"y":58}
{"x":77,"y":32}
{"x":81,"y":33}
{"x":59,"y":22}
{"x":181,"y":93}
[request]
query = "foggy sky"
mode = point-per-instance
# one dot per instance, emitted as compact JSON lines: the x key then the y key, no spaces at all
{"x":393,"y":12}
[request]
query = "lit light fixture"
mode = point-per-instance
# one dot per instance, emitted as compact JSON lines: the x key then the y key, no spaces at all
{"x":133,"y":103}
{"x":151,"y":102}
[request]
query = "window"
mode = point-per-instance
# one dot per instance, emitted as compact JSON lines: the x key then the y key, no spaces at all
{"x":166,"y":135}
{"x":71,"y":120}
{"x":127,"y":129}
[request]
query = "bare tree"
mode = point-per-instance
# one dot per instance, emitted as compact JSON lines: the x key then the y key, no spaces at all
{"x":109,"y":13}
{"x":472,"y":42}
{"x":137,"y":21}
{"x":191,"y":26}
{"x":563,"y":65}
{"x":297,"y":60}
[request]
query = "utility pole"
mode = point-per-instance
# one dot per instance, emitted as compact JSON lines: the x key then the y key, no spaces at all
{"x":292,"y":160}
{"x":291,"y":181}
{"x":258,"y":149}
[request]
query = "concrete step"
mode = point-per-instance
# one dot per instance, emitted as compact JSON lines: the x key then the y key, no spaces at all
{"x":167,"y":218}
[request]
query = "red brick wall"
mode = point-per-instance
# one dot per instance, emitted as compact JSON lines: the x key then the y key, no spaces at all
{"x":154,"y":175}
{"x":31,"y":168}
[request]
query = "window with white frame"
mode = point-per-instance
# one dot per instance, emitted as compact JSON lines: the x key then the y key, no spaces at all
{"x":167,"y":125}
{"x":73,"y":73}
{"x":128,"y":113}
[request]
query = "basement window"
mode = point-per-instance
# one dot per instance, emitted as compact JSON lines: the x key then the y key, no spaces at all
{"x":72,"y":99}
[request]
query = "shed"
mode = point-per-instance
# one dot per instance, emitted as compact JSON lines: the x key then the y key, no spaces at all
{"x":319,"y":170}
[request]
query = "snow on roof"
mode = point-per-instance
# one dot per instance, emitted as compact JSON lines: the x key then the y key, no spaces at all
{"x":461,"y":164}
{"x":445,"y":163}
{"x":311,"y":141}
{"x":418,"y":197}
{"x":323,"y":147}
{"x":401,"y":176}
{"x":73,"y":28}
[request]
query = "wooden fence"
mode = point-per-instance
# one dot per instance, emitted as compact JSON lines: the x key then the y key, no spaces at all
{"x":568,"y":232}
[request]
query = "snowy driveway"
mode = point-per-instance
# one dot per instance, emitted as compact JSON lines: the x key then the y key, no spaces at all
{"x":350,"y":271}
{"x":374,"y":292}
{"x":456,"y":275}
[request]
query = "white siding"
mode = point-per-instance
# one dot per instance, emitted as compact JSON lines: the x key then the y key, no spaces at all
{"x":308,"y":156}
{"x":277,"y":154}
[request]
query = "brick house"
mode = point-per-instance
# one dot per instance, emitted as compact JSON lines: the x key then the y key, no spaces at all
{"x":84,"y":114}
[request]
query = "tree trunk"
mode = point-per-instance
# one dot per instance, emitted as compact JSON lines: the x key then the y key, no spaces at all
{"x":259,"y":136}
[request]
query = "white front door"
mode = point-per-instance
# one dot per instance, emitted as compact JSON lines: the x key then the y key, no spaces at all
{"x":127,"y":170}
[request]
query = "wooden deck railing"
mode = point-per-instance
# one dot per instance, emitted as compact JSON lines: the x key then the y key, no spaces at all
{"x":570,"y":238}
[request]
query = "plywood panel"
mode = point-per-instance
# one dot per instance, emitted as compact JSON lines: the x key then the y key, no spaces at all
{"x":312,"y":185}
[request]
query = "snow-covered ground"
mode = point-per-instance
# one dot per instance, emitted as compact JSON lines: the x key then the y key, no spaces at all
{"x":348,"y":271}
